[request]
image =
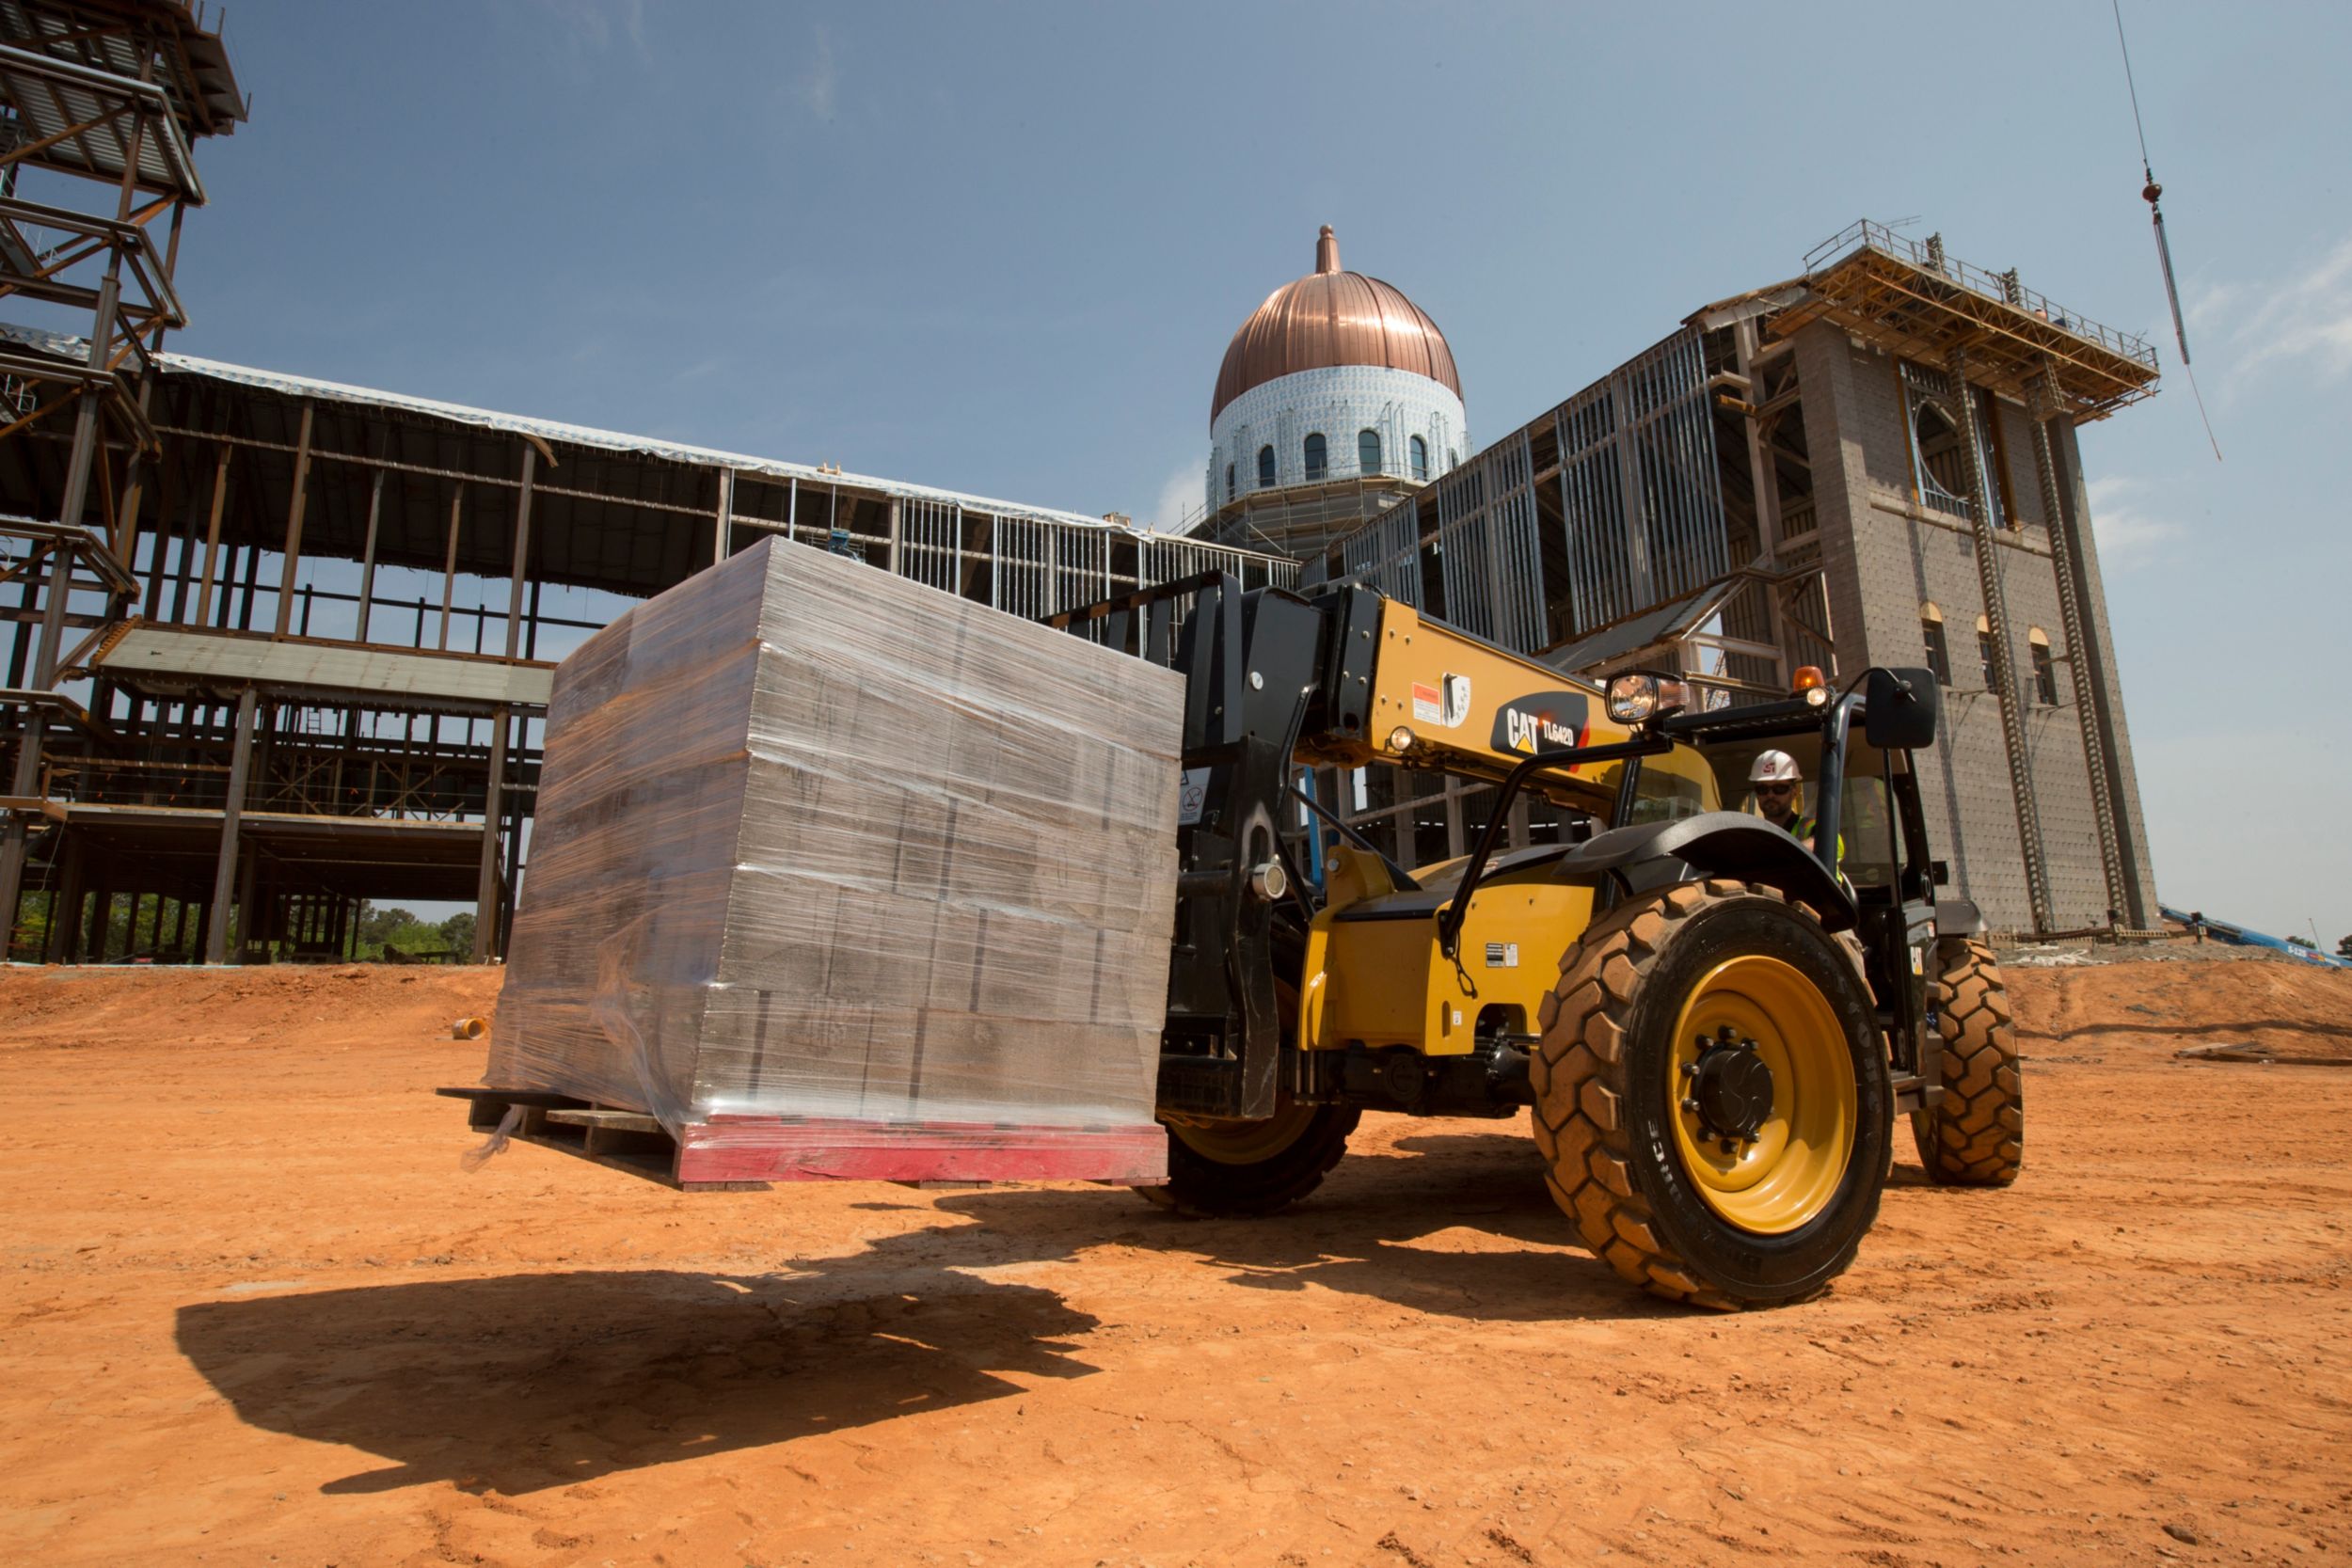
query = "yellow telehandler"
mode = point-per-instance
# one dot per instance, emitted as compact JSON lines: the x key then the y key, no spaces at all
{"x":1715,"y":1024}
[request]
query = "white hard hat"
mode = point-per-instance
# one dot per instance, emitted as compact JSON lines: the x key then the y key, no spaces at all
{"x":1773,"y":768}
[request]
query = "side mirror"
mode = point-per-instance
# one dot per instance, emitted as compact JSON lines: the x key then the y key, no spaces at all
{"x":1900,"y":708}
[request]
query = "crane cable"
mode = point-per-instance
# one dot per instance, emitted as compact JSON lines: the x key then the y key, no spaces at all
{"x":2153,"y":194}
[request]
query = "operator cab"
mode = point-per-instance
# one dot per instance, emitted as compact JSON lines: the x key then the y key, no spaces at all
{"x":1872,"y":850}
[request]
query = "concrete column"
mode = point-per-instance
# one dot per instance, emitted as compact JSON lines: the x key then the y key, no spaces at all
{"x":212,"y":536}
{"x":65,"y":904}
{"x":367,"y":556}
{"x":224,"y":866}
{"x":102,"y":921}
{"x":522,"y":554}
{"x":487,"y":901}
{"x":723,"y":523}
{"x":449,"y":562}
{"x":295,"y":509}
{"x":252,"y":920}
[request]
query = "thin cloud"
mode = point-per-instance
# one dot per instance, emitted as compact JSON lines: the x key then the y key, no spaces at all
{"x":594,"y":23}
{"x":820,"y":89}
{"x":2128,"y":534}
{"x":2305,"y":317}
{"x":1181,"y":497}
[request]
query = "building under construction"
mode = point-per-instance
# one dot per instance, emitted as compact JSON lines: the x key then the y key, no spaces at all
{"x":1873,"y":463}
{"x":280,"y":646}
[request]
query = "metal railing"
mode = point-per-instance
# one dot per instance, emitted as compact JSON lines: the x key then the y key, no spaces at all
{"x":2002,"y":288}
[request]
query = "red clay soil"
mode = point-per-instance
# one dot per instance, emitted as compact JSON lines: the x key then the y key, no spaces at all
{"x":255,"y":1313}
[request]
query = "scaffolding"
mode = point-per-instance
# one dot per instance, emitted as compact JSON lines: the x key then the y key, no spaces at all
{"x":1301,"y":519}
{"x":107,"y":96}
{"x":1919,"y":301}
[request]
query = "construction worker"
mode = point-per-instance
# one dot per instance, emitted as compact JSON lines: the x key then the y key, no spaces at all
{"x":1777,"y":784}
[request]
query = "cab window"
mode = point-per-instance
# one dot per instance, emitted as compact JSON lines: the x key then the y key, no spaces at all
{"x":1868,"y":819}
{"x":1660,"y":796}
{"x":1867,"y":853}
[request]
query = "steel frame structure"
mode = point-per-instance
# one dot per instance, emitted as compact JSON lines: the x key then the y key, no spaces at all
{"x":334,"y":684}
{"x":1601,"y":510}
{"x":110,"y":95}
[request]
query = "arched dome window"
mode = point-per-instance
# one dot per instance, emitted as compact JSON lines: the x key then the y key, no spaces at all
{"x":1368,"y":451}
{"x":1452,"y":462}
{"x":1317,"y":464}
{"x":1265,"y":466}
{"x":1420,"y":458}
{"x":1228,"y":482}
{"x":1932,"y":634}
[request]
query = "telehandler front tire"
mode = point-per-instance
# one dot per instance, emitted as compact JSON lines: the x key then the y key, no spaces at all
{"x":1977,"y":1136}
{"x":1255,"y":1168}
{"x":1711,"y":1097}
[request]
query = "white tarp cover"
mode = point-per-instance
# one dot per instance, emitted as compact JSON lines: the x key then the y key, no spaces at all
{"x":816,"y":841}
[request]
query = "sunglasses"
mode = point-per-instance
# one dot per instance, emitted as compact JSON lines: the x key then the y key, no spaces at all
{"x":1774,"y":789}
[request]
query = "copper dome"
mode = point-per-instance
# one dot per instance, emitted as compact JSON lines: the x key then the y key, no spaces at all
{"x":1327,"y":318}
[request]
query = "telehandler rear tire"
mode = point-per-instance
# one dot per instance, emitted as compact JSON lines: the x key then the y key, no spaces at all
{"x":1975,"y":1137}
{"x":1711,"y":1097}
{"x":1255,"y":1167}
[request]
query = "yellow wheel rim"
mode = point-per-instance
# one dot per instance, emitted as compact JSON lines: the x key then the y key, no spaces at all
{"x":1786,"y":1168}
{"x":1247,"y":1143}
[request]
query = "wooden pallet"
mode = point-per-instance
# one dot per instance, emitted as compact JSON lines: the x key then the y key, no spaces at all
{"x":751,"y":1152}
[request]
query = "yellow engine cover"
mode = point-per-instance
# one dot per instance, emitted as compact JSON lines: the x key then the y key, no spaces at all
{"x":1374,"y":973}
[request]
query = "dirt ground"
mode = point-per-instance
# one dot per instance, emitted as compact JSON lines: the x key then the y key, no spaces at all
{"x":255,"y":1313}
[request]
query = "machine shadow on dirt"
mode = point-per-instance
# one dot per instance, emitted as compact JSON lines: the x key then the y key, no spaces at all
{"x":516,"y":1382}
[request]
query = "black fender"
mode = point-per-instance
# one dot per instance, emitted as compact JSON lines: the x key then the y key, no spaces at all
{"x":1712,"y":843}
{"x":1958,"y":917}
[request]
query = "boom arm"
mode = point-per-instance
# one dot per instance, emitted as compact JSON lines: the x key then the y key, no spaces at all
{"x":1458,"y":704}
{"x":1344,"y":680}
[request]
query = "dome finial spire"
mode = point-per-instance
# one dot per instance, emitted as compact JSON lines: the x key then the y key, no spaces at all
{"x":1327,"y":250}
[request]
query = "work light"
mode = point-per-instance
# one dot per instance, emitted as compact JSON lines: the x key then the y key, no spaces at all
{"x":1637,"y":699}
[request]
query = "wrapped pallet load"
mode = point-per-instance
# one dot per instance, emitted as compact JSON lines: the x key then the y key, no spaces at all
{"x":836,"y":875}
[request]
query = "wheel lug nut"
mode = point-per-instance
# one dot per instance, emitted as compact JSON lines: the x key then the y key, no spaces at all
{"x":1691,"y":1106}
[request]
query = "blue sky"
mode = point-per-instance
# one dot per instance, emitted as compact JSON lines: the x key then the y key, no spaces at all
{"x":1001,"y":249}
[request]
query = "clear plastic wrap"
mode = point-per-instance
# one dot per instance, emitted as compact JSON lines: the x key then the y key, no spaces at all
{"x":820,"y":844}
